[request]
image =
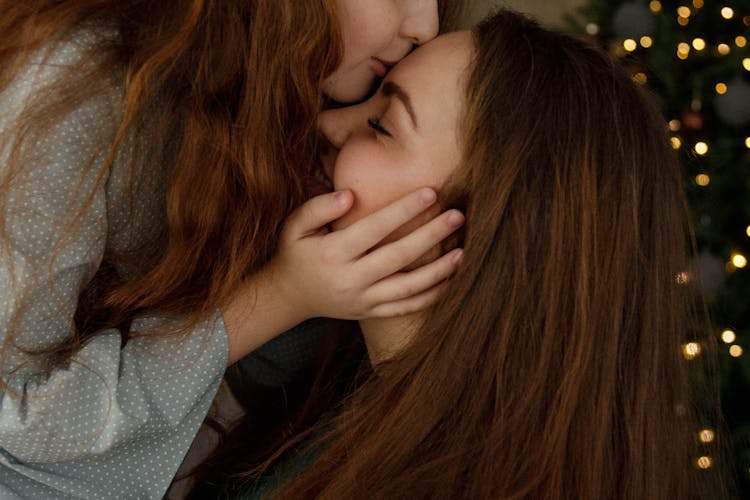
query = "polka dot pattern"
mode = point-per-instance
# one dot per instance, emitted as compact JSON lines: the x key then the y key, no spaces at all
{"x":114,"y":423}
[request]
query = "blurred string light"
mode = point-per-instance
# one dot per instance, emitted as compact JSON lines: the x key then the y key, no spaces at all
{"x":702,"y":180}
{"x":629,"y":44}
{"x":699,"y":44}
{"x":748,"y":231}
{"x":655,"y":6}
{"x":640,"y":78}
{"x":740,"y":41}
{"x":723,"y":49}
{"x":704,"y":462}
{"x":728,"y":336}
{"x":746,"y":63}
{"x":747,"y":142}
{"x":691,"y":350}
{"x":675,"y":125}
{"x":683,"y":11}
{"x":721,"y":88}
{"x":706,"y":436}
{"x":683,"y":50}
{"x":701,"y":148}
{"x":683,"y":21}
{"x":646,"y":41}
{"x":727,"y":13}
{"x":739,"y":261}
{"x":592,"y":29}
{"x":735,"y":351}
{"x":697,"y":4}
{"x":676,"y":142}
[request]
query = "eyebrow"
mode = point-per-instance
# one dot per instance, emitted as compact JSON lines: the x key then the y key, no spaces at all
{"x":391,"y":89}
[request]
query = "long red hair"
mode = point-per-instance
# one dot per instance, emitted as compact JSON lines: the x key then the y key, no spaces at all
{"x":229,"y":93}
{"x":552,"y":366}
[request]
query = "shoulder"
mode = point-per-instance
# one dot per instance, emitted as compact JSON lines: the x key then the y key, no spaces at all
{"x":64,"y":73}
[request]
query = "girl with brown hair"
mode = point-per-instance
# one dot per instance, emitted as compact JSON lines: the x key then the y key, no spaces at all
{"x":149,"y":153}
{"x":551,"y":366}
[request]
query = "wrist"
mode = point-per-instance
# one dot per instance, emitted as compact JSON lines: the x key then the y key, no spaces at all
{"x":261,"y":309}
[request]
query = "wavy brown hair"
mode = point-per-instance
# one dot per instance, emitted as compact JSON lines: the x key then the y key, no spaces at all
{"x":231,"y":91}
{"x":552,"y":366}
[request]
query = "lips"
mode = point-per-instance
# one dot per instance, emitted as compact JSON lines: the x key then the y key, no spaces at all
{"x":380,"y":67}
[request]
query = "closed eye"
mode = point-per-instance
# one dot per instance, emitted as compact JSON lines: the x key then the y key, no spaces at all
{"x":374,"y":123}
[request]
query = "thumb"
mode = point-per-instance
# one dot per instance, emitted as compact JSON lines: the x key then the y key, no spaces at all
{"x":318,"y":212}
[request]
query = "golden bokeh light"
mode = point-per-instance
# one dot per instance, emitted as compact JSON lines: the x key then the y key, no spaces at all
{"x":727,"y":13}
{"x":630,"y":45}
{"x":675,"y":125}
{"x":739,"y":261}
{"x":655,"y":6}
{"x":683,"y":21}
{"x":721,"y":88}
{"x":646,"y":41}
{"x":740,"y":41}
{"x":701,"y":148}
{"x":640,"y":78}
{"x":676,"y":142}
{"x":691,"y":350}
{"x":723,"y":49}
{"x":683,"y":50}
{"x":704,"y":462}
{"x":706,"y":436}
{"x":702,"y":180}
{"x":699,"y":44}
{"x":683,"y":11}
{"x":735,"y":351}
{"x":697,"y":4}
{"x":728,"y":336}
{"x":746,"y":63}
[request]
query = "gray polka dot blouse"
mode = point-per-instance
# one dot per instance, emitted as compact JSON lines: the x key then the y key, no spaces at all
{"x":115,"y":422}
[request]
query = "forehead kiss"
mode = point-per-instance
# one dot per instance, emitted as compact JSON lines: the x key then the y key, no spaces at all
{"x":406,"y":136}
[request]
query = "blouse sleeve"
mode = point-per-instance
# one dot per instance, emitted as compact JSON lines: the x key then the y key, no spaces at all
{"x":114,"y":421}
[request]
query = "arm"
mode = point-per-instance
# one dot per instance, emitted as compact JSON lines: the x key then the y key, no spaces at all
{"x":343,"y":274}
{"x":113,"y":419}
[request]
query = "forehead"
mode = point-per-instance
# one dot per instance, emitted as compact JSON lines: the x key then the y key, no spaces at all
{"x":432,"y":76}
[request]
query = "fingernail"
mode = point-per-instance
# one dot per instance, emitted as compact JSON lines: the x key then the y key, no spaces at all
{"x":455,"y":219}
{"x":457,"y":257}
{"x":427,"y":196}
{"x":341,"y":197}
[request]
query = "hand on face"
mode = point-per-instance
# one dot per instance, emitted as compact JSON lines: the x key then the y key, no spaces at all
{"x":406,"y":136}
{"x":376,"y":34}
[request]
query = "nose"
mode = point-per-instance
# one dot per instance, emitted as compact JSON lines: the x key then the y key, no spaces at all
{"x":337,"y":125}
{"x":422,"y":22}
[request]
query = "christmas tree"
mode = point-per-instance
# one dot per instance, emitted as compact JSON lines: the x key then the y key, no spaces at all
{"x":694,"y":56}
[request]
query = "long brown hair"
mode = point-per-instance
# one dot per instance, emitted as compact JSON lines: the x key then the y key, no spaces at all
{"x":551,"y":368}
{"x":230,"y":91}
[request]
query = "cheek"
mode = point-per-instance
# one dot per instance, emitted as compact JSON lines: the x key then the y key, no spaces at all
{"x":368,"y":27}
{"x":375,"y":177}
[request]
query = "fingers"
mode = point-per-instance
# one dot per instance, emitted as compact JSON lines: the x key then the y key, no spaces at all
{"x":369,"y":231}
{"x":317,"y":212}
{"x":402,"y":286}
{"x":394,"y":256}
{"x":411,"y":305}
